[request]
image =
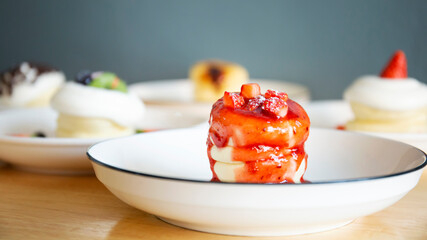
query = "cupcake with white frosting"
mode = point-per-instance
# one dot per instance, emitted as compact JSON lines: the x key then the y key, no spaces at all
{"x":97,"y":105}
{"x":29,"y":85}
{"x":391,"y":102}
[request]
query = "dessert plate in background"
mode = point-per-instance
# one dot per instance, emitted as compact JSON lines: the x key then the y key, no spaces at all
{"x":63,"y":155}
{"x":329,"y":113}
{"x":181,"y":90}
{"x":334,"y":113}
{"x":167,"y":174}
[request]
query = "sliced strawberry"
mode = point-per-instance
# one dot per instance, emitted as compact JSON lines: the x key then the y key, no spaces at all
{"x":254,"y":103}
{"x":396,"y":67}
{"x":233,"y":100}
{"x":250,"y":90}
{"x":275,"y":106}
{"x":273,"y":93}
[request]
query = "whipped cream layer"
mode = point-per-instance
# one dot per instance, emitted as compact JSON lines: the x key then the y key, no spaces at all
{"x":392,"y":95}
{"x":27,"y":91}
{"x":75,"y":99}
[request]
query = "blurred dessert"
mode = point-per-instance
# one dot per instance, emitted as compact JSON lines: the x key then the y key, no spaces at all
{"x":29,"y":85}
{"x":212,"y":77}
{"x":255,"y":138}
{"x":97,"y":105}
{"x":391,"y":102}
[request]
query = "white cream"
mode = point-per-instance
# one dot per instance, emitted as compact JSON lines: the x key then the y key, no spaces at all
{"x":126,"y":109}
{"x":226,"y":172}
{"x":25,"y":92}
{"x":223,"y":154}
{"x":392,"y":95}
{"x":300,"y":172}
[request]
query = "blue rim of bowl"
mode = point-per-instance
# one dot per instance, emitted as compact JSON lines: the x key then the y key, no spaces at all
{"x":94,"y":160}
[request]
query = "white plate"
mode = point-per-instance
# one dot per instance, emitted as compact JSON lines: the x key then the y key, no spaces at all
{"x":181,"y":90}
{"x":167,"y":174}
{"x":333,"y":113}
{"x":63,"y":155}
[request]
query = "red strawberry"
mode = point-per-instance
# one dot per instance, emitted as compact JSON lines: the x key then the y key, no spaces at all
{"x":253,"y":103}
{"x":233,"y":100}
{"x":396,"y":67}
{"x":250,"y":90}
{"x":273,"y":93}
{"x":275,"y":106}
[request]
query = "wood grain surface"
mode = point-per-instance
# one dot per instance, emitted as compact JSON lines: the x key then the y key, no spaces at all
{"x":35,"y":206}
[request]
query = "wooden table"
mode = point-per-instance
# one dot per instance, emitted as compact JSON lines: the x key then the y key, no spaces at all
{"x":34,"y":206}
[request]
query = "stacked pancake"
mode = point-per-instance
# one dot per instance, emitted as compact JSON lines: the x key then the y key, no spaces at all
{"x":255,"y":138}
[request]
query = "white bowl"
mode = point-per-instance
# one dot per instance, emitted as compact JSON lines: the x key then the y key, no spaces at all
{"x":62,"y":155}
{"x":333,"y":113}
{"x":167,"y":174}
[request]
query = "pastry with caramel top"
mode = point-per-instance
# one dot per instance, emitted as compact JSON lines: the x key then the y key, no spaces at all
{"x":212,"y":77}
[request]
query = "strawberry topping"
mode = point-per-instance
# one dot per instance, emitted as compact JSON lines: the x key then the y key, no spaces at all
{"x":275,"y":106}
{"x":233,"y":100}
{"x":254,"y":103}
{"x":273,"y":93}
{"x":272,"y":103}
{"x":396,"y":67}
{"x":250,"y":90}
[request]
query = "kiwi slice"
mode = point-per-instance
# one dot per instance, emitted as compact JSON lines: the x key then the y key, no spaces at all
{"x":109,"y":80}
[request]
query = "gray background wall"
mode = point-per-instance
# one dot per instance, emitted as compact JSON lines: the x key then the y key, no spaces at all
{"x":322,"y":44}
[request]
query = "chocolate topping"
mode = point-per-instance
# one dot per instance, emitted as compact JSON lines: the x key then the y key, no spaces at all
{"x":24,"y":72}
{"x":216,"y":74}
